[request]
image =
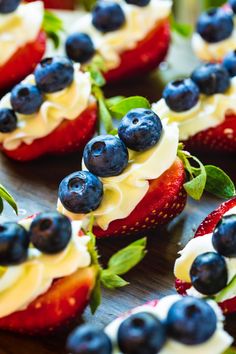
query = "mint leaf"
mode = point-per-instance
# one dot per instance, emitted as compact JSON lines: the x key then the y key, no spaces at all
{"x":182,"y":29}
{"x":88,"y":4}
{"x":5,"y":195}
{"x":196,"y":186}
{"x":230,"y":351}
{"x":1,"y":205}
{"x":96,"y":296}
{"x":111,"y":280}
{"x":52,"y":25}
{"x":121,"y":108}
{"x":219,"y":183}
{"x":114,"y":100}
{"x":104,"y":115}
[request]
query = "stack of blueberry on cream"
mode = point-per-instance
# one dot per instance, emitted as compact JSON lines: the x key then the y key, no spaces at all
{"x":204,"y":106}
{"x":169,"y":326}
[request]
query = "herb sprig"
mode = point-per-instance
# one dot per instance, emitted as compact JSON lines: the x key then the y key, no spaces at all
{"x":53,"y":26}
{"x":5,"y":195}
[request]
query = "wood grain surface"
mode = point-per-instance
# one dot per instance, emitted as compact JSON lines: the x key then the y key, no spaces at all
{"x":35,"y":187}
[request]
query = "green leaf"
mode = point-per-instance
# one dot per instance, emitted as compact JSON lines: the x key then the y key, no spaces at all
{"x":182,"y":29}
{"x":219,"y":183}
{"x":111,"y":280}
{"x":96,"y":296}
{"x":1,"y":205}
{"x":230,"y":351}
{"x":113,"y":131}
{"x":88,"y":4}
{"x":4,"y":194}
{"x":52,"y":25}
{"x":104,"y":115}
{"x":121,"y":108}
{"x":114,"y":100}
{"x":195,"y":187}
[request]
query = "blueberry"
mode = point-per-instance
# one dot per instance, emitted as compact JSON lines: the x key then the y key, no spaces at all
{"x":209,"y":273}
{"x":81,"y":192}
{"x":191,"y":321}
{"x":108,"y":16}
{"x":26,"y":98}
{"x":140,"y":129}
{"x":215,"y":25}
{"x":88,"y":340}
{"x":232,"y":3}
{"x":181,"y":95}
{"x":140,"y":3}
{"x":7,"y":6}
{"x":54,"y":74}
{"x":14,"y":243}
{"x":229,"y":63}
{"x":141,"y":333}
{"x":106,"y":156}
{"x":79,"y":47}
{"x":224,"y":236}
{"x":8,"y":120}
{"x":50,"y":232}
{"x":211,"y":78}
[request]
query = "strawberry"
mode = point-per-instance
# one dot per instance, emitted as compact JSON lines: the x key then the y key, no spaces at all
{"x":69,"y":136}
{"x":147,"y":55}
{"x":58,"y":4}
{"x":206,"y":227}
{"x":165,"y":199}
{"x":23,"y":62}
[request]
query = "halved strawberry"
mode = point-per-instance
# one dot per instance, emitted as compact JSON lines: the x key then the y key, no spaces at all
{"x":146,"y":56}
{"x":164,"y":200}
{"x":69,"y":136}
{"x":206,"y":227}
{"x":23,"y":62}
{"x":58,"y":4}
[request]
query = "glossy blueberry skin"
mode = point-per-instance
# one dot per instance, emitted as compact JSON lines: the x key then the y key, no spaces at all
{"x":191,"y":321}
{"x":14,"y":243}
{"x":181,"y":95}
{"x":8,"y":120}
{"x":229,"y":63}
{"x":107,"y":16}
{"x":106,"y":156}
{"x":26,"y":98}
{"x":54,"y":74}
{"x":141,"y":333}
{"x":140,"y":3}
{"x":8,"y":6}
{"x":232,"y":3}
{"x":79,"y":47}
{"x":88,"y":340}
{"x":211,"y":79}
{"x":224,"y":236}
{"x":215,"y":25}
{"x":140,"y":129}
{"x":209,"y":273}
{"x":81,"y":192}
{"x":50,"y":232}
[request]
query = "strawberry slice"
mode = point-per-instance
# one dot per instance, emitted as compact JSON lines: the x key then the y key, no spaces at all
{"x":69,"y":136}
{"x":206,"y":227}
{"x":23,"y":62}
{"x":58,"y":4}
{"x":146,"y":56}
{"x":164,"y":200}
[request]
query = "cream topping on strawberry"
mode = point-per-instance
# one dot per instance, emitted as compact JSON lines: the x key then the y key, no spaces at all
{"x":65,"y":104}
{"x":218,"y":343}
{"x":22,"y":284}
{"x":19,"y":28}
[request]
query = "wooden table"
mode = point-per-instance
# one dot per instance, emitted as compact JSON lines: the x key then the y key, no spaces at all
{"x":35,"y":187}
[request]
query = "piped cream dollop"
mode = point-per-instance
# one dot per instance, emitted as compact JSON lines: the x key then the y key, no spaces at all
{"x":65,"y":104}
{"x":19,"y":28}
{"x":209,"y":112}
{"x":217,"y":344}
{"x":139,"y":22}
{"x":22,"y":284}
{"x":124,"y":192}
{"x":193,"y":249}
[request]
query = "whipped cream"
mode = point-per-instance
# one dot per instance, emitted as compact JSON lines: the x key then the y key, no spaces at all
{"x":19,"y":28}
{"x":218,"y":343}
{"x":22,"y":284}
{"x":124,"y":192}
{"x":209,"y":112}
{"x":111,"y":45}
{"x":193,"y":249}
{"x":65,"y":104}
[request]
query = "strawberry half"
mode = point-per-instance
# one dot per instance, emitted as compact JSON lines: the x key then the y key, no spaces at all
{"x":23,"y":62}
{"x":58,"y":4}
{"x":69,"y":136}
{"x":206,"y":227}
{"x":164,"y":200}
{"x":146,"y":56}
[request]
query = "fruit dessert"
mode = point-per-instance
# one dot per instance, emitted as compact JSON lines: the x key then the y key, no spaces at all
{"x":52,"y":111}
{"x":114,"y":30}
{"x":58,"y":4}
{"x":50,"y":271}
{"x":204,"y":106}
{"x":171,"y":325}
{"x":207,"y":265}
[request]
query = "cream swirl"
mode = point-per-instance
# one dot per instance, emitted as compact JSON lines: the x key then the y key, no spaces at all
{"x":110,"y":45}
{"x":209,"y":112}
{"x":66,"y":104}
{"x":124,"y":192}
{"x":194,"y":248}
{"x":19,"y":28}
{"x":218,"y":343}
{"x":22,"y":284}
